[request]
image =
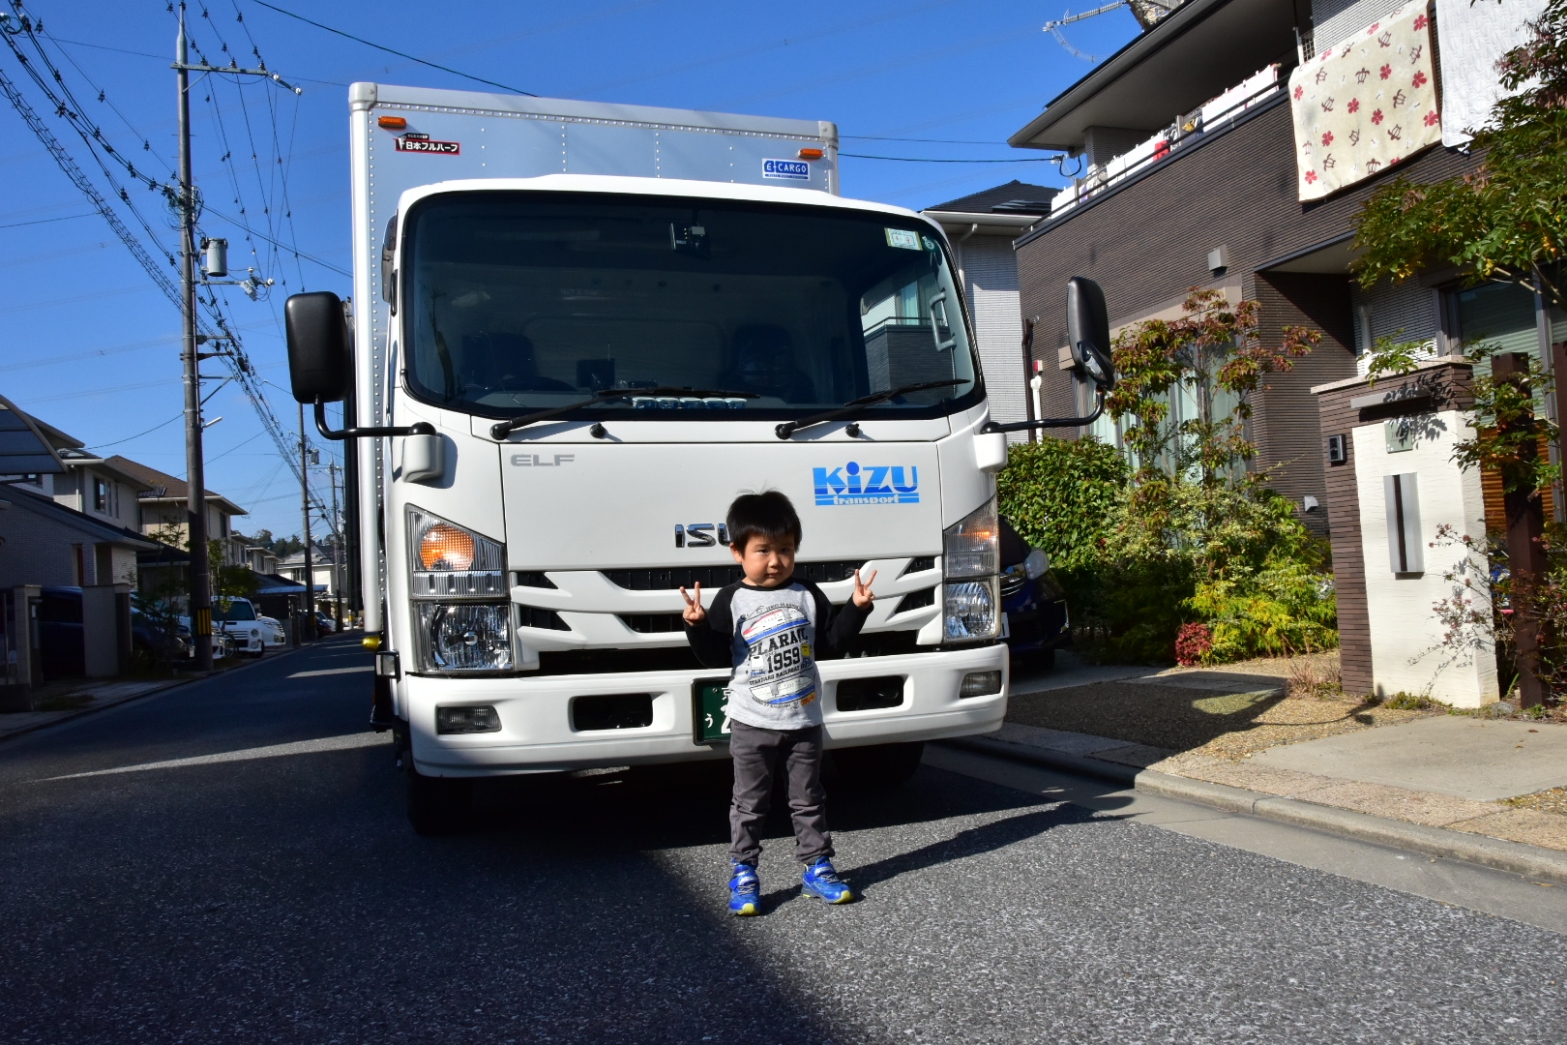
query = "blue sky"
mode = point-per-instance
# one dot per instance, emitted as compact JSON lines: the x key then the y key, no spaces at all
{"x":92,"y":347}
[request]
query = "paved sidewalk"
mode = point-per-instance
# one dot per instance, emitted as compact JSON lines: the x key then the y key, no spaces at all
{"x":1437,"y":785}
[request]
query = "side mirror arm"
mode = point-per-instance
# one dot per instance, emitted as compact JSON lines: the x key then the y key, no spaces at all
{"x":422,"y":428}
{"x":1051,"y":422}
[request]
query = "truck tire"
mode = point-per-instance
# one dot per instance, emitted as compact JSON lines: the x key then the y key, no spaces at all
{"x":437,"y":805}
{"x":880,"y":765}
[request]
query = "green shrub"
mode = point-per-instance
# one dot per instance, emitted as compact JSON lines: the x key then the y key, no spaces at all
{"x":1061,"y":495}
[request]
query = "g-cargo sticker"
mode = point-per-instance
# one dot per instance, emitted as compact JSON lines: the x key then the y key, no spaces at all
{"x":407,"y":144}
{"x":790,"y":170}
{"x":856,"y":483}
{"x":908,"y":239}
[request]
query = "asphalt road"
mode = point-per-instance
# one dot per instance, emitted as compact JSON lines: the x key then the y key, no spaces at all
{"x":152,"y":891}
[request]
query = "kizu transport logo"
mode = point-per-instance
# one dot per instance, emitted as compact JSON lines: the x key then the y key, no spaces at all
{"x":856,"y":483}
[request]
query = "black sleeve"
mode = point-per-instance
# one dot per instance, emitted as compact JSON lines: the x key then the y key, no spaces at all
{"x":835,"y":627}
{"x":713,"y":640}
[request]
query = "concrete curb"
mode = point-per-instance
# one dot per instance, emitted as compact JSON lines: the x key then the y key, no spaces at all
{"x":171,"y":684}
{"x":1513,"y":857}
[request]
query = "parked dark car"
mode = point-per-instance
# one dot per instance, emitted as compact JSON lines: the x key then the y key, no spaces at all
{"x":1037,"y":623}
{"x":61,"y":648}
{"x":150,"y":638}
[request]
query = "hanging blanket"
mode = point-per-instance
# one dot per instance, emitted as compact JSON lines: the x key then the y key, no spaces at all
{"x":1366,"y":104}
{"x":1474,"y":37}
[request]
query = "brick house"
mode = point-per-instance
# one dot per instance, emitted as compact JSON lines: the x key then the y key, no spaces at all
{"x":1210,"y":155}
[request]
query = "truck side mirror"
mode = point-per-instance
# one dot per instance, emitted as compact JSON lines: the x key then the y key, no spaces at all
{"x":319,"y":365}
{"x":1088,"y":331}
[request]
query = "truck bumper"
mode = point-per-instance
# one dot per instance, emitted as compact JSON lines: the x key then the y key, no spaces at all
{"x":537,"y":735}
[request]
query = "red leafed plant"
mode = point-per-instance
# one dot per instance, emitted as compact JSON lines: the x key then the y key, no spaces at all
{"x":1192,"y":643}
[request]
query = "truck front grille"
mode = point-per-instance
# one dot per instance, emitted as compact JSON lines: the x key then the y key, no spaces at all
{"x":534,"y":617}
{"x":915,"y":600}
{"x":671,"y":577}
{"x":668,"y":578}
{"x":653,"y":623}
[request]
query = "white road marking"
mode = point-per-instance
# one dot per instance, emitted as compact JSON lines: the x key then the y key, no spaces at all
{"x":356,"y":669}
{"x":299,"y":747}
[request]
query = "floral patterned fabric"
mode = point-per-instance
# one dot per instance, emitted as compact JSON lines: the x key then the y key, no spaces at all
{"x":1366,"y":104}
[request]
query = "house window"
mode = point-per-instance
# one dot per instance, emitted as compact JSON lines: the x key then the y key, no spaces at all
{"x":1499,"y":316}
{"x":104,"y":497}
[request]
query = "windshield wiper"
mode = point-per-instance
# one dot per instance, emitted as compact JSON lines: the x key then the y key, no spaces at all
{"x":853,"y":407}
{"x":501,"y":429}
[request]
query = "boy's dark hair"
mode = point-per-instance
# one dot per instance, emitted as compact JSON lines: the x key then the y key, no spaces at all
{"x":768,"y":515}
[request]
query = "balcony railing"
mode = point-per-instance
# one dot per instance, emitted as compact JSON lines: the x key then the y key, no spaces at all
{"x":1213,"y":116}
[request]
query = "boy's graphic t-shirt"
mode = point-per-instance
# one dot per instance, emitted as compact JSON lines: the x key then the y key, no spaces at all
{"x":772,"y":638}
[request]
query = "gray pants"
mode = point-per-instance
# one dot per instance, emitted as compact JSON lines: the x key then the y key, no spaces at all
{"x":757,"y":754}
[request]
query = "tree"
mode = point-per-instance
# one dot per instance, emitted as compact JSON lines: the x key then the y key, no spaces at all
{"x":1214,"y":352}
{"x":1507,"y":220}
{"x":1199,"y":537}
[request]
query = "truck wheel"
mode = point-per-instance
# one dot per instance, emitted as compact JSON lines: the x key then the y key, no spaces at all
{"x":437,"y":805}
{"x":880,"y":765}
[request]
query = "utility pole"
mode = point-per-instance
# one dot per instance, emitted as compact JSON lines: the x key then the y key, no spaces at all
{"x":304,"y":500}
{"x":337,"y":545}
{"x":195,"y":469}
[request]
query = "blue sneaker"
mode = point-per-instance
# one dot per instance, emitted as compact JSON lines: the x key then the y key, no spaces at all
{"x":744,"y":891}
{"x":821,"y":880}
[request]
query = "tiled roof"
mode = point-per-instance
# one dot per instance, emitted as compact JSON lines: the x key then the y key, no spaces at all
{"x":79,"y":521}
{"x":172,"y":487}
{"x":1015,"y":197}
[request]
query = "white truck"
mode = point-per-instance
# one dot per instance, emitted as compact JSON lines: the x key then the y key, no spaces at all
{"x":579,"y":330}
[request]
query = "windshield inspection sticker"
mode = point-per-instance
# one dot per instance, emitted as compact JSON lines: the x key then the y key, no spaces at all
{"x":908,"y":239}
{"x":855,"y":483}
{"x":789,"y":170}
{"x":411,"y":144}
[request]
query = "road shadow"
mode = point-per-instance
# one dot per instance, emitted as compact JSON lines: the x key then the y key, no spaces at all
{"x":678,"y":806}
{"x":1182,"y":712}
{"x":969,"y":842}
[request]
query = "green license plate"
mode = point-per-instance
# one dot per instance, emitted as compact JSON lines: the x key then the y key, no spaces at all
{"x":707,"y":706}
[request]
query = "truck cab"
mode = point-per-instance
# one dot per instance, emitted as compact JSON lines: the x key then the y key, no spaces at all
{"x":556,"y":381}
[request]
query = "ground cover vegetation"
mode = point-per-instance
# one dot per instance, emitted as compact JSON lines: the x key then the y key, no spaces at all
{"x":1506,"y":221}
{"x":1174,"y":547}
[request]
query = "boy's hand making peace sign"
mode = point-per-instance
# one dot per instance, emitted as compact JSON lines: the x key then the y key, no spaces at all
{"x":694,"y":613}
{"x":863,"y":596}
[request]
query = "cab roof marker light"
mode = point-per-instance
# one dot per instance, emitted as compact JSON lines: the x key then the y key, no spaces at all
{"x":392,"y":123}
{"x":811,"y":154}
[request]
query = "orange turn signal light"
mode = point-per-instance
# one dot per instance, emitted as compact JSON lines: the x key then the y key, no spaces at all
{"x":444,"y":547}
{"x":811,"y":154}
{"x":392,"y":123}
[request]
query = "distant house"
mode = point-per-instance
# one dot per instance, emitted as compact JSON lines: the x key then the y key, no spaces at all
{"x":324,"y":571}
{"x":981,"y":228}
{"x":47,"y":543}
{"x":163,"y":500}
{"x":51,"y":533}
{"x":245,"y":552}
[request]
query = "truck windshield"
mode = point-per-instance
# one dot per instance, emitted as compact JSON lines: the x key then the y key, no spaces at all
{"x":518,"y":302}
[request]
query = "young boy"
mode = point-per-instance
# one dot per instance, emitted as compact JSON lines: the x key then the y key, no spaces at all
{"x":771,"y":629}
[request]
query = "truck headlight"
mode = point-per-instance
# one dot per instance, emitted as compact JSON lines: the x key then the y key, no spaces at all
{"x":971,"y":557}
{"x":465,"y":636}
{"x":455,"y":575}
{"x":973,"y":611}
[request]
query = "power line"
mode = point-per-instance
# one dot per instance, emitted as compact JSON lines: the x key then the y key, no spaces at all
{"x":936,"y":141}
{"x":916,"y":159}
{"x":44,"y":221}
{"x":216,"y":326}
{"x":400,"y":54}
{"x":138,"y":435}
